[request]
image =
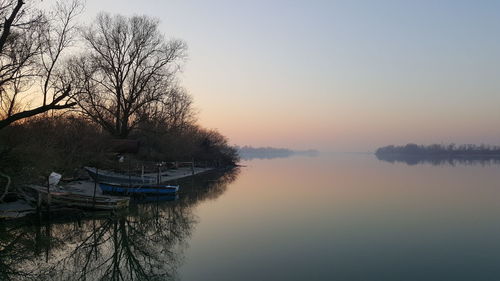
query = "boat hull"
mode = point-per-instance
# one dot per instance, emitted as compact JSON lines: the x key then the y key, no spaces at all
{"x":66,"y":198}
{"x":107,"y":176}
{"x":139,"y":189}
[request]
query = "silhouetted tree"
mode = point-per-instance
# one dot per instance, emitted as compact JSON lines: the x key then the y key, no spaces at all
{"x":215,"y":147}
{"x":31,"y":45}
{"x":129,"y":67}
{"x":170,"y":115}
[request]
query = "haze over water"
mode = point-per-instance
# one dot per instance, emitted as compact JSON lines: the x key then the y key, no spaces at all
{"x":350,"y":217}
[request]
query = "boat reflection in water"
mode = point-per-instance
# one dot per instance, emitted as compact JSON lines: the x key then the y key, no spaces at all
{"x":145,"y":243}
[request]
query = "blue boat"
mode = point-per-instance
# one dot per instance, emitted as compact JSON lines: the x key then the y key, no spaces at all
{"x":161,"y":189}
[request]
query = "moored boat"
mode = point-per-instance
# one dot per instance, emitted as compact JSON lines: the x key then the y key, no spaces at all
{"x":59,"y":196}
{"x":161,"y":189}
{"x":118,"y":178}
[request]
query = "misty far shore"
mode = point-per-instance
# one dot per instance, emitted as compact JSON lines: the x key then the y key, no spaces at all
{"x":249,"y":152}
{"x":438,"y":154}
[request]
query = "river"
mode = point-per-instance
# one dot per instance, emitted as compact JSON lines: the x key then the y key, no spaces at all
{"x":330,"y":217}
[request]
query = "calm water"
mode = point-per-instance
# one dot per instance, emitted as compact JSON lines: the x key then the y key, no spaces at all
{"x":331,"y":217}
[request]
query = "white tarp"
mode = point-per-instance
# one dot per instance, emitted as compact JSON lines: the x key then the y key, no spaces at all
{"x":54,"y":178}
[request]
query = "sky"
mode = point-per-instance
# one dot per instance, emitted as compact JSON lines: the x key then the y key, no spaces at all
{"x":336,"y":75}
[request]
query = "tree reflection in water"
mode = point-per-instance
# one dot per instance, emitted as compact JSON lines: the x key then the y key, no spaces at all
{"x":437,"y":160}
{"x":146,"y":243}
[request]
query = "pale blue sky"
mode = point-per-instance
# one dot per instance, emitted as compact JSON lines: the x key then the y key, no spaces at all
{"x":337,"y":75}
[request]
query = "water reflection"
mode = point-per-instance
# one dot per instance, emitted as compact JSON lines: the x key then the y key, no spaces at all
{"x":146,"y":243}
{"x":411,"y":160}
{"x":275,"y":154}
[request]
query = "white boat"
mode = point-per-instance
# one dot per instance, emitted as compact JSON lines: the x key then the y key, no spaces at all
{"x":104,"y":176}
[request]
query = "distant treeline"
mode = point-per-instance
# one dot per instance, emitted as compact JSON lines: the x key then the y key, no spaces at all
{"x":248,"y":152}
{"x":441,"y":149}
{"x":438,"y":154}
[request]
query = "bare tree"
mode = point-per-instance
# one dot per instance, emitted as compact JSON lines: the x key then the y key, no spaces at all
{"x":173,"y":112}
{"x":129,"y":66}
{"x":178,"y":109}
{"x":31,"y":44}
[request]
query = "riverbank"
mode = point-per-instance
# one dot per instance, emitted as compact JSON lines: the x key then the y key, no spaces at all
{"x":21,"y":208}
{"x":86,"y":187}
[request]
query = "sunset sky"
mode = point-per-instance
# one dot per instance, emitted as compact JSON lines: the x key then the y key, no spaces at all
{"x":337,"y":75}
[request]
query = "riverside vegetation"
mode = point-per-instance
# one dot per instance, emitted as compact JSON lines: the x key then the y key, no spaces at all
{"x":67,"y":90}
{"x":439,"y":153}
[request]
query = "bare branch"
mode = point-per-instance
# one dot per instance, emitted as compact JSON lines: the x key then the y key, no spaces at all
{"x":129,"y":65}
{"x":8,"y":23}
{"x":31,"y":46}
{"x":54,"y":105}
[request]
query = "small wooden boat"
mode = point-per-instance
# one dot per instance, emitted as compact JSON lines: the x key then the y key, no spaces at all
{"x":159,"y":189}
{"x":60,"y":196}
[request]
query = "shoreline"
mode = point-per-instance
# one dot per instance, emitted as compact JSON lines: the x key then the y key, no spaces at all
{"x":19,"y":209}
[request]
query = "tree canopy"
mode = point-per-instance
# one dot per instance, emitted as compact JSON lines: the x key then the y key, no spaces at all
{"x":128,"y":70}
